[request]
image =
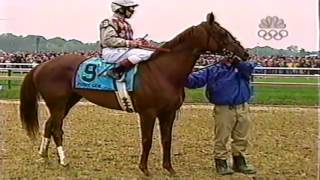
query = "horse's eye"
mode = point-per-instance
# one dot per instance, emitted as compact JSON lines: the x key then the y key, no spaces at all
{"x":224,"y":34}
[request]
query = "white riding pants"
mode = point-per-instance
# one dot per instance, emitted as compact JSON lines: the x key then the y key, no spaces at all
{"x":134,"y":55}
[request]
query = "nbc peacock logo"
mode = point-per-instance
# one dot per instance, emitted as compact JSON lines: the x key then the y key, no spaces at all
{"x":272,"y":28}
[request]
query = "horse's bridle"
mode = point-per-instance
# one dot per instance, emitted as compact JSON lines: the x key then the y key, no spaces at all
{"x":209,"y":39}
{"x":225,"y":52}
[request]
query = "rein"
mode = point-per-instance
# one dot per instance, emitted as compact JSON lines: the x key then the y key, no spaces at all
{"x":155,"y":48}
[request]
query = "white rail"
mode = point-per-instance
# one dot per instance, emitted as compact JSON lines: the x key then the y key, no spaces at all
{"x":287,"y":68}
{"x":9,"y":68}
{"x":280,"y":84}
{"x":19,"y":64}
{"x":29,"y":66}
{"x":286,"y":75}
{"x":17,"y":67}
{"x":6,"y":69}
{"x":274,"y":68}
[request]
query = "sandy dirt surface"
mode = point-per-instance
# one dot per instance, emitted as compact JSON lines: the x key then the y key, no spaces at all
{"x":105,"y":144}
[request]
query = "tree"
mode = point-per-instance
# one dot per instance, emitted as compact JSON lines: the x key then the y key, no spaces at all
{"x":293,"y":48}
{"x":303,"y":52}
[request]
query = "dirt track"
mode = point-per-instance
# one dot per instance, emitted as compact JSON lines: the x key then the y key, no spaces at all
{"x":105,"y":144}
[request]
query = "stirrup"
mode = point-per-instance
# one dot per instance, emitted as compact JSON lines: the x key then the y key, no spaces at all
{"x":122,"y":77}
{"x":114,"y":75}
{"x":117,"y":76}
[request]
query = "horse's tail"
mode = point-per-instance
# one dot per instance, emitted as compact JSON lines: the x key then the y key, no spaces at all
{"x":29,"y":106}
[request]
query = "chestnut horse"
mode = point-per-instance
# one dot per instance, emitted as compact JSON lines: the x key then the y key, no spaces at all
{"x":159,"y":95}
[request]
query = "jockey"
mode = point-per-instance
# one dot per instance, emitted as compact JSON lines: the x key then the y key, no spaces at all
{"x":116,"y":39}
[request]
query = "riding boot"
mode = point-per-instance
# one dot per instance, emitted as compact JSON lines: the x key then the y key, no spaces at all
{"x":240,"y":165}
{"x":123,"y":67}
{"x":222,"y":167}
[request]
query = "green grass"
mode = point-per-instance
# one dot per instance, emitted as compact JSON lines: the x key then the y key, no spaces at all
{"x":262,"y":95}
{"x":12,"y":93}
{"x":287,"y":96}
{"x":272,"y":96}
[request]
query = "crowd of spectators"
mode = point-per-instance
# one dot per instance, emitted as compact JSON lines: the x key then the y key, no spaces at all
{"x":38,"y":57}
{"x":205,"y":59}
{"x":273,"y":61}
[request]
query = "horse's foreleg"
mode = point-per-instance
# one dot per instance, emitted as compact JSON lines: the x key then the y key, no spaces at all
{"x":166,"y":120}
{"x":146,"y":124}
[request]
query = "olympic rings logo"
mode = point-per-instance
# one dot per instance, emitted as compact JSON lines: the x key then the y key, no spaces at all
{"x":272,"y":28}
{"x":273,"y":34}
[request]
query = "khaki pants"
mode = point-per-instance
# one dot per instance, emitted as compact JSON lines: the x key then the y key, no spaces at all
{"x":234,"y":122}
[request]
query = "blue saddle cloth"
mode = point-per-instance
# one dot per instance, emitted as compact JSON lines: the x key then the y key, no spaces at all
{"x":89,"y":76}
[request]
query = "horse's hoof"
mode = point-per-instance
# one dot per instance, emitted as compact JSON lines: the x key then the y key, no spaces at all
{"x":144,"y":170}
{"x":44,"y":155}
{"x":171,"y":171}
{"x":146,"y":173}
{"x":64,"y":163}
{"x":42,"y":160}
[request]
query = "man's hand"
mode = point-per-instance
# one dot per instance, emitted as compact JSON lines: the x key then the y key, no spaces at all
{"x":138,"y":42}
{"x":144,"y":42}
{"x":234,"y":60}
{"x":134,"y":44}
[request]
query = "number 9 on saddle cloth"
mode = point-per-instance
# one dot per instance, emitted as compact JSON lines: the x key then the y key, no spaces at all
{"x":89,"y":73}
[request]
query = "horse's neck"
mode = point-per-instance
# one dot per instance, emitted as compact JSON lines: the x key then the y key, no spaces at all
{"x":174,"y":67}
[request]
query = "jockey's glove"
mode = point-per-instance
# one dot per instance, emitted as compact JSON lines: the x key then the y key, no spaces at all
{"x":138,"y":43}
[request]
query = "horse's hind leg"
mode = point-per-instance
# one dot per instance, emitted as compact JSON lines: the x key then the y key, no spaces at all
{"x":146,"y":124}
{"x":166,"y":122}
{"x":43,"y":151}
{"x":53,"y":127}
{"x":57,"y":131}
{"x":54,"y":124}
{"x":45,"y":142}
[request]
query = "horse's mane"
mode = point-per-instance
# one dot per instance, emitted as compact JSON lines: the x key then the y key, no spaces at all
{"x":177,"y":40}
{"x":187,"y":34}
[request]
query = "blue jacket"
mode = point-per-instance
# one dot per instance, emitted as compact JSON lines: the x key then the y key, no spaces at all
{"x":225,"y":85}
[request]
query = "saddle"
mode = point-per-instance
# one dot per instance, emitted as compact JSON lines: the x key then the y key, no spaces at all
{"x":90,"y":76}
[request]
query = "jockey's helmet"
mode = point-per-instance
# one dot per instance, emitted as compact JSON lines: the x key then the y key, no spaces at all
{"x":123,"y":7}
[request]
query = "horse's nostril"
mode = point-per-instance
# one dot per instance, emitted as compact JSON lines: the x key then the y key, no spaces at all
{"x":246,"y":56}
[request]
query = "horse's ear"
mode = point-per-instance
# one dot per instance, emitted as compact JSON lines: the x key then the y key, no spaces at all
{"x":210,"y":18}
